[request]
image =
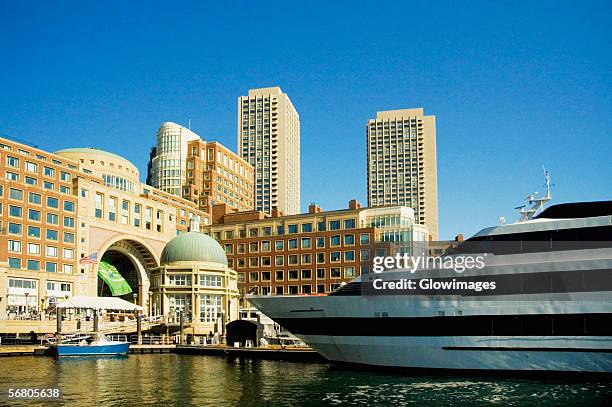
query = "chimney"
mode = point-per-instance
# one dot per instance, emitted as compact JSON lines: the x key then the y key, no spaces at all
{"x":314,"y":208}
{"x":276,"y":212}
{"x":354,"y":204}
{"x":219,"y":211}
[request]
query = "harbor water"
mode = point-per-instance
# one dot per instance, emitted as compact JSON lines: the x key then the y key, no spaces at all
{"x":170,"y":379}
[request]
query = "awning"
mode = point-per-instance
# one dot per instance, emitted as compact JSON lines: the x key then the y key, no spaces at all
{"x":105,"y":303}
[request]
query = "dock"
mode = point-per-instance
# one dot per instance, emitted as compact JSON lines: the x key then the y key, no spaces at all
{"x":142,"y":349}
{"x":23,"y":350}
{"x":291,"y":354}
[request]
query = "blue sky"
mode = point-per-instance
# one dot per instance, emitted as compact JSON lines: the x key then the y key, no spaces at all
{"x":513,"y":86}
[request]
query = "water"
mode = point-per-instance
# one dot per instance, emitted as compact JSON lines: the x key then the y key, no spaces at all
{"x":171,"y":379}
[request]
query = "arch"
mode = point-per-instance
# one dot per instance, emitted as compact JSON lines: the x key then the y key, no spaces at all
{"x":142,"y":257}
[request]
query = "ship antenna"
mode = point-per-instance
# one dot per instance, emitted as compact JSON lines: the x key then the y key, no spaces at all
{"x":537,"y":204}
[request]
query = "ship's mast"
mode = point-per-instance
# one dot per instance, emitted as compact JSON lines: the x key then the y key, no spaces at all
{"x":535,"y":205}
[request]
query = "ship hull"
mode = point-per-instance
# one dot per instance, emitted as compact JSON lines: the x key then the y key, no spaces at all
{"x":118,"y":348}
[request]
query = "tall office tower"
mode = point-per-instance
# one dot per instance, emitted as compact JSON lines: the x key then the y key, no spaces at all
{"x":168,"y":171}
{"x":269,"y":140}
{"x":402,"y":170}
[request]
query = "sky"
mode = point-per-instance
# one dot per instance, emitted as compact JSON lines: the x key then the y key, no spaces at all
{"x":513,"y":85}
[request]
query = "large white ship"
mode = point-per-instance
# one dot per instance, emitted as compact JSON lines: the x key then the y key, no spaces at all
{"x":551,"y":309}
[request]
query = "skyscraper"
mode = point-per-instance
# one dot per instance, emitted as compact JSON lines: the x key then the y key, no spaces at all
{"x":402,"y":170}
{"x":269,"y":139}
{"x":167,"y":165}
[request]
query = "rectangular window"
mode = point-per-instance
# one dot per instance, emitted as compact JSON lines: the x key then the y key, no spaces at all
{"x":11,"y":176}
{"x":31,"y":181}
{"x":52,"y":218}
{"x":334,"y":225}
{"x":99,"y":202}
{"x":69,"y":206}
{"x":211,"y":308}
{"x":293,"y":274}
{"x":52,"y":202}
{"x":292,"y":228}
{"x":349,"y":224}
{"x":320,"y":274}
{"x":320,"y":258}
{"x":68,"y":253}
{"x":14,"y":229}
{"x":293,"y":244}
{"x":279,"y":261}
{"x":265,"y":246}
{"x":68,"y":237}
{"x":68,"y":222}
{"x":15,"y":211}
{"x":349,"y":272}
{"x":349,"y":240}
{"x":334,"y":272}
{"x":12,"y":161}
{"x":34,"y":231}
{"x":112,"y":209}
{"x":334,"y":257}
{"x":279,"y":245}
{"x":52,"y":234}
{"x":279,"y":275}
{"x":292,"y":259}
{"x":364,"y":238}
{"x":306,"y":227}
{"x":48,"y":172}
{"x":14,"y":246}
{"x":34,"y":248}
{"x":306,"y":274}
{"x":51,"y":251}
{"x":321,"y":226}
{"x":34,"y":198}
{"x":182,"y":280}
{"x":253,"y":276}
{"x":349,"y":255}
{"x":306,"y":258}
{"x":14,"y":262}
{"x":212,"y":281}
{"x":67,"y":268}
{"x":334,"y":240}
{"x":320,"y":242}
{"x":33,"y":265}
{"x":16,"y":194}
{"x":31,"y":167}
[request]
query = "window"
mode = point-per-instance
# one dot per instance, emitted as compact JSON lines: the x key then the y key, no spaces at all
{"x":266,"y":261}
{"x":293,"y":244}
{"x":179,"y":279}
{"x":364,"y":238}
{"x":15,"y":211}
{"x":68,"y":237}
{"x":253,"y":247}
{"x":229,"y":248}
{"x":68,"y":253}
{"x":99,"y":206}
{"x":267,"y":231}
{"x":68,"y":222}
{"x":334,"y":272}
{"x":279,"y":275}
{"x":320,"y":242}
{"x":210,"y":308}
{"x":208,"y":280}
{"x":52,"y":202}
{"x":306,"y":227}
{"x":34,"y":248}
{"x":334,"y":240}
{"x":349,"y":255}
{"x":14,"y":262}
{"x":69,"y":206}
{"x":320,"y":258}
{"x":292,"y":259}
{"x":48,"y":172}
{"x":253,"y":261}
{"x":265,"y":246}
{"x":292,"y":228}
{"x":266,"y":276}
{"x":12,"y":161}
{"x":306,"y":243}
{"x":253,"y":276}
{"x":306,"y":258}
{"x":349,"y":272}
{"x":52,"y":218}
{"x":306,"y":274}
{"x":14,"y":246}
{"x":34,"y":231}
{"x":306,"y":289}
{"x":279,"y":260}
{"x":320,"y":274}
{"x":16,"y":194}
{"x":253,"y":232}
{"x":33,"y":265}
{"x":334,"y":225}
{"x":31,"y":181}
{"x":364,"y":255}
{"x":51,"y":251}
{"x":240,"y":248}
{"x":31,"y":167}
{"x":293,"y":289}
{"x":67,"y":268}
{"x":349,"y":224}
{"x":292,"y":274}
{"x":334,"y":257}
{"x":11,"y":176}
{"x":320,"y":288}
{"x":279,"y":245}
{"x":321,"y":226}
{"x":14,"y":229}
{"x":64,"y":176}
{"x":349,"y":240}
{"x":52,"y":234}
{"x":34,"y":198}
{"x":48,"y":185}
{"x":280,"y":230}
{"x":112,"y":209}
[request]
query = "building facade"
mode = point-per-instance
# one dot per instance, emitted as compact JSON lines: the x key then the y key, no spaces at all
{"x":62,"y":213}
{"x":269,"y":139}
{"x":168,"y":171}
{"x":314,"y":252}
{"x":203,"y":172}
{"x":401,"y":162}
{"x":215,"y":174}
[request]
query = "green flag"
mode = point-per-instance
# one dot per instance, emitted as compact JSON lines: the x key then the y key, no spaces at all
{"x":113,"y":279}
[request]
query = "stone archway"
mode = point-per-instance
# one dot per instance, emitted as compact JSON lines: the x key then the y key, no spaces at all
{"x":128,"y":252}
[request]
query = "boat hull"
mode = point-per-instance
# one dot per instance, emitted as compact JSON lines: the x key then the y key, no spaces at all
{"x":119,"y":348}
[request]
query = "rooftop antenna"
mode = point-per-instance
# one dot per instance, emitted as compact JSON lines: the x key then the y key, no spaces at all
{"x":537,"y":204}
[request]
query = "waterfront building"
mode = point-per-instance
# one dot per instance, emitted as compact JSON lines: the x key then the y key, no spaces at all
{"x":314,"y":252}
{"x":193,"y":278}
{"x":269,"y":139}
{"x":401,"y":162}
{"x":203,"y":172}
{"x":63,"y":213}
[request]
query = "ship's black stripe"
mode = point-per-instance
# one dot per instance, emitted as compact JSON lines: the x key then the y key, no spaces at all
{"x":466,"y":325}
{"x":519,"y":349}
{"x":552,"y":282}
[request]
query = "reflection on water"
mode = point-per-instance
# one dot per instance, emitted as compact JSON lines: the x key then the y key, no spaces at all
{"x":214,"y":381}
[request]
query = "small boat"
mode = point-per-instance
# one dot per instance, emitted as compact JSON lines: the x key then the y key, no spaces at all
{"x":97,"y":344}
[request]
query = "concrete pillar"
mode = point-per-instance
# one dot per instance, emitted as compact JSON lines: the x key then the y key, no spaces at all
{"x":139,"y":327}
{"x":96,"y":321}
{"x":58,"y":327}
{"x":181,"y":327}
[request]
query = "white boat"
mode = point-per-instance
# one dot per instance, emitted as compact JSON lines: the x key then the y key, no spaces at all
{"x":551,"y":309}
